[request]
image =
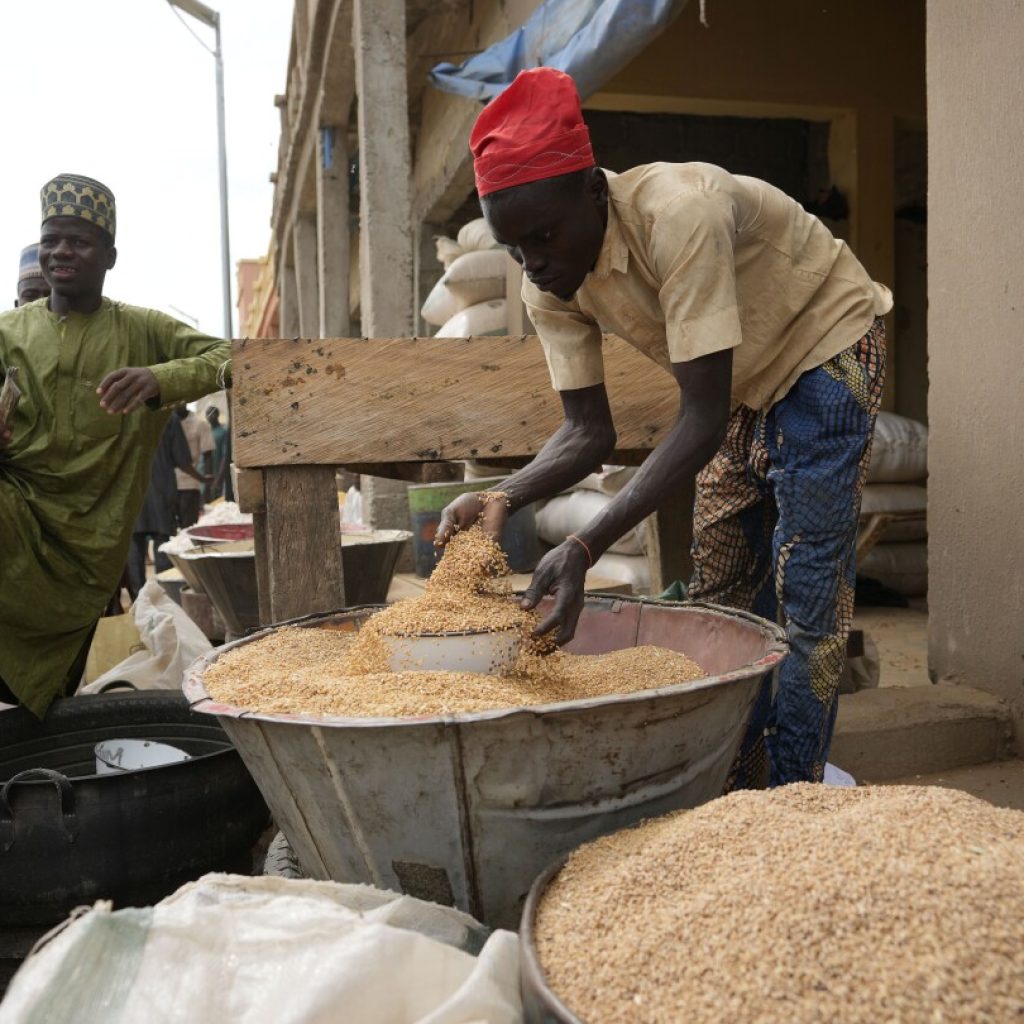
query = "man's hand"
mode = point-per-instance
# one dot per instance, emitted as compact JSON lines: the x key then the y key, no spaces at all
{"x":467,"y":509}
{"x":562,"y":572}
{"x":127,"y":389}
{"x":5,"y":437}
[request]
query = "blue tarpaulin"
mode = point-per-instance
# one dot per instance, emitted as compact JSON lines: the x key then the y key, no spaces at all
{"x":589,"y":40}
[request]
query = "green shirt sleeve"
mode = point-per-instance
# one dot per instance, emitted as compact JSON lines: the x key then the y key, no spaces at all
{"x":192,"y":364}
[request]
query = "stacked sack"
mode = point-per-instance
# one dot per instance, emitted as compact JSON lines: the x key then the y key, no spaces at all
{"x":469,"y":300}
{"x":896,"y":483}
{"x":625,"y":560}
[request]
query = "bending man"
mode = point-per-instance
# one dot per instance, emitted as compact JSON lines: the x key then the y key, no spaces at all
{"x":773,"y":332}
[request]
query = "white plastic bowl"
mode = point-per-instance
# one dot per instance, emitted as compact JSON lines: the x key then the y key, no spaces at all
{"x":486,"y":652}
{"x":113,"y":756}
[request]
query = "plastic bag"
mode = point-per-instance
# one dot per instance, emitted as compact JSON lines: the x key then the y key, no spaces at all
{"x":116,"y":638}
{"x":251,"y":950}
{"x":473,"y":321}
{"x":352,"y":511}
{"x":172,"y":642}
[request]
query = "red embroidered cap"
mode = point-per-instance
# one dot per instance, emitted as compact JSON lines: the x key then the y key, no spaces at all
{"x":532,"y":130}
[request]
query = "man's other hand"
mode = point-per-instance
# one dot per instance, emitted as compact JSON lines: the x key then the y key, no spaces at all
{"x":562,"y":572}
{"x":5,"y":437}
{"x":467,"y":509}
{"x":127,"y":389}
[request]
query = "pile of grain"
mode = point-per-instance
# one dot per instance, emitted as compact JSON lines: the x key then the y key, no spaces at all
{"x":802,"y":904}
{"x":327,"y":672}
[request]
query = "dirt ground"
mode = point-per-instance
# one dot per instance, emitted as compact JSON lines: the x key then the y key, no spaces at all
{"x":901,"y":635}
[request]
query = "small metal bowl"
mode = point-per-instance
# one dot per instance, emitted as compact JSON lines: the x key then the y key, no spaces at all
{"x":483,"y":651}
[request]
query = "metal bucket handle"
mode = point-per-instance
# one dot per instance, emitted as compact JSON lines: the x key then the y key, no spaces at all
{"x":114,"y":684}
{"x":67,"y":803}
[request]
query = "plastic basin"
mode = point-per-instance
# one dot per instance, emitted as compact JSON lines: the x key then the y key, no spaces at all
{"x":469,"y":809}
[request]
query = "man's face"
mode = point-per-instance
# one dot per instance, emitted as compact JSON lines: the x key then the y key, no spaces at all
{"x":75,"y":256}
{"x":554,"y":228}
{"x":30,"y":289}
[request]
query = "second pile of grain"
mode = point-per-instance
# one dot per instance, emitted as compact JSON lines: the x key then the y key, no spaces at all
{"x":801,"y":904}
{"x":331,"y":672}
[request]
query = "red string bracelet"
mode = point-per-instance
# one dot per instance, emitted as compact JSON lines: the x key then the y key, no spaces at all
{"x":590,"y":557}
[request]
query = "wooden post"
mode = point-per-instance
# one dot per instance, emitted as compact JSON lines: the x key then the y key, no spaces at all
{"x":332,"y":231}
{"x":669,"y":540}
{"x":299,"y":540}
{"x":305,"y":235}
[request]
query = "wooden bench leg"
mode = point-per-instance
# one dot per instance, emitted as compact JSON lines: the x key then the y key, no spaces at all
{"x":298,"y":544}
{"x":669,"y":540}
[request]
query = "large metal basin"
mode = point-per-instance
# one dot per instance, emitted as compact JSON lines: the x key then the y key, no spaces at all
{"x":226,"y":572}
{"x":468,"y":809}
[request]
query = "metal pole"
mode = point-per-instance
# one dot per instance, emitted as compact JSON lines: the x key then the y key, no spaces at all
{"x":222,"y":159}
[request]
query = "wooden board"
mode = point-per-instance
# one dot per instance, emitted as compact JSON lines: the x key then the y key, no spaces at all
{"x":350,"y":400}
{"x":298,"y":544}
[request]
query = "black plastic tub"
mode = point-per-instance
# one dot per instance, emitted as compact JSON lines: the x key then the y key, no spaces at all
{"x":69,"y":836}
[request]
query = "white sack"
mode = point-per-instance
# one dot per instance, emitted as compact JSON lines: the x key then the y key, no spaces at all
{"x":899,"y":454}
{"x":252,"y":950}
{"x":897,"y":498}
{"x":448,"y":250}
{"x":484,"y":318}
{"x":441,"y":304}
{"x":570,"y":513}
{"x":477,"y":276}
{"x":476,"y":235}
{"x":632,"y":569}
{"x":610,"y":480}
{"x":903,"y":567}
{"x":173,"y":641}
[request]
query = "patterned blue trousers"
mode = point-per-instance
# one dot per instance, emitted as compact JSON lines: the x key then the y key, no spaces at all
{"x":775,"y":527}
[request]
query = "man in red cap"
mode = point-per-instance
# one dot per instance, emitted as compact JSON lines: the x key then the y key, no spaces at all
{"x":772,"y":330}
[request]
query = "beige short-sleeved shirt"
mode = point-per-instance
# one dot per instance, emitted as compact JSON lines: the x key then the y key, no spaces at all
{"x":696,"y":260}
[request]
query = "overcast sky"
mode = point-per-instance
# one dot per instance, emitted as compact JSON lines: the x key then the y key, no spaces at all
{"x":120,"y":91}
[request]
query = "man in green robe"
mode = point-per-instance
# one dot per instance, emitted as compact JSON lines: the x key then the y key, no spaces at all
{"x":98,"y":381}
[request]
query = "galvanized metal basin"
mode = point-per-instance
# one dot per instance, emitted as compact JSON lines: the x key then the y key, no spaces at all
{"x":468,"y":809}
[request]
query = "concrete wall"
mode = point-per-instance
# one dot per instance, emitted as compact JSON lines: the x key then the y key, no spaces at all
{"x":976,"y":339}
{"x":858,"y":65}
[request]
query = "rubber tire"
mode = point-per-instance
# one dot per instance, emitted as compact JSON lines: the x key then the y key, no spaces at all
{"x":281,"y":860}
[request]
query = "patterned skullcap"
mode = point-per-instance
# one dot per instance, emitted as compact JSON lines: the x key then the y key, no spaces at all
{"x":28,"y":265}
{"x":73,"y":195}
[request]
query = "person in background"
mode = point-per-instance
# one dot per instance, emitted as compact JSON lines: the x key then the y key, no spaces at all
{"x":157,"y":521}
{"x":190,"y":486}
{"x":98,"y":379}
{"x":31,"y":283}
{"x":221,"y":462}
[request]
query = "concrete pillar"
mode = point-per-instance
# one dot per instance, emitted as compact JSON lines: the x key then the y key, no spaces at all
{"x":976,"y":299}
{"x":332,"y":232}
{"x":386,"y":236}
{"x":306,"y":276}
{"x":289,"y":299}
{"x":427,"y":271}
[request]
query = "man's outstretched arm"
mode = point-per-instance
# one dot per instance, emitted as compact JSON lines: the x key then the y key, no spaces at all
{"x":705,"y":386}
